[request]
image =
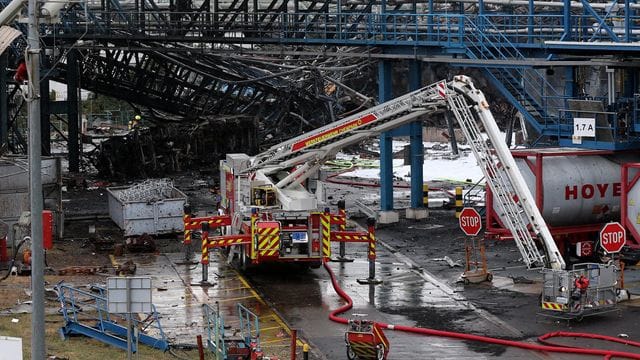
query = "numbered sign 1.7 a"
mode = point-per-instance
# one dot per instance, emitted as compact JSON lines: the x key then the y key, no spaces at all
{"x":584,"y":127}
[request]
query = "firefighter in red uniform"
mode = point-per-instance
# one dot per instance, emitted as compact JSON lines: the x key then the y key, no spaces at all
{"x":21,"y":72}
{"x":582,"y":283}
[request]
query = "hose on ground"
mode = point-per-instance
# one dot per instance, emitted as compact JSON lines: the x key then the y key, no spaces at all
{"x":543,"y":339}
{"x":15,"y":256}
{"x":462,"y":336}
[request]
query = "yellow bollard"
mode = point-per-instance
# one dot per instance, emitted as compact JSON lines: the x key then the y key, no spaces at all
{"x":425,"y":195}
{"x":305,"y":351}
{"x":458,"y":201}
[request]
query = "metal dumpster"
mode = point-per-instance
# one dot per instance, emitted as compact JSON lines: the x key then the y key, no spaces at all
{"x":153,"y":207}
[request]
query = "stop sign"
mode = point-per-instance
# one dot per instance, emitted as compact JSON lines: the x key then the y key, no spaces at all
{"x":470,"y":221}
{"x":613,"y":237}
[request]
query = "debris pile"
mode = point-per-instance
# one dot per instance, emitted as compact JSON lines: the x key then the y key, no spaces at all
{"x":168,"y":147}
{"x":150,"y":190}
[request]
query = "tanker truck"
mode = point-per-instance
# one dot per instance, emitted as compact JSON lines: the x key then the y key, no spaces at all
{"x":577,"y":191}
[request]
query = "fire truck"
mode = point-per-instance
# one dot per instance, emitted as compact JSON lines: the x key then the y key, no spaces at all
{"x":271,"y":216}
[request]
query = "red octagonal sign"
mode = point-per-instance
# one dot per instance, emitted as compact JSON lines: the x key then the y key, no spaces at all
{"x":613,"y":237}
{"x":470,"y":221}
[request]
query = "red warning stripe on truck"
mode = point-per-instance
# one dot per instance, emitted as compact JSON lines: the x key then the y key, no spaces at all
{"x":330,"y":133}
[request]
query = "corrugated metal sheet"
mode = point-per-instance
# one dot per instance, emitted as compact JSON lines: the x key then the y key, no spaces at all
{"x":7,"y":36}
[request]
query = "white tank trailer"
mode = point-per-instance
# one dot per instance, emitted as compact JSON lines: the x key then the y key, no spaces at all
{"x":577,"y":191}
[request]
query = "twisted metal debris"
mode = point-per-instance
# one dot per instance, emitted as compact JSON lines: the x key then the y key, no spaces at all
{"x":150,"y":190}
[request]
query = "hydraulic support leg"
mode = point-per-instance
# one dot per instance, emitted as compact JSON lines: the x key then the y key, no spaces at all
{"x":186,"y":242}
{"x":205,"y":252}
{"x":342,"y":212}
{"x":371,"y":254}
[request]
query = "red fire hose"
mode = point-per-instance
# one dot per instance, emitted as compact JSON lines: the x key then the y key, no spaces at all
{"x":333,"y":316}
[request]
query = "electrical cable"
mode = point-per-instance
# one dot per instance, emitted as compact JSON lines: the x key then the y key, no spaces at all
{"x":176,"y":355}
{"x":333,"y":316}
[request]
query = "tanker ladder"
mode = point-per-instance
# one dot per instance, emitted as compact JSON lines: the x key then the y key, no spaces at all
{"x":86,"y":313}
{"x":518,"y":210}
{"x":246,"y":345}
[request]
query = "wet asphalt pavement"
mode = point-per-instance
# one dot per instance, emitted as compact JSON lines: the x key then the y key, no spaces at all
{"x":420,"y":289}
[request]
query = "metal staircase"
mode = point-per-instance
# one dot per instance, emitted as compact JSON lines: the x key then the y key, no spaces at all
{"x":517,"y":207}
{"x":526,"y":88}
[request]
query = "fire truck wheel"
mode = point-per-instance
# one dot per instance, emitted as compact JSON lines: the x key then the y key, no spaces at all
{"x":243,"y":259}
{"x":380,"y":352}
{"x":350,"y":354}
{"x":489,"y":277}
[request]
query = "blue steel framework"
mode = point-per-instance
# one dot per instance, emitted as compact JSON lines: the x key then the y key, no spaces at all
{"x":506,"y":41}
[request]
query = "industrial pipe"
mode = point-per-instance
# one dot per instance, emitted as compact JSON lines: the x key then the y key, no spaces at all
{"x":11,"y":11}
{"x":560,"y":4}
{"x":333,"y":316}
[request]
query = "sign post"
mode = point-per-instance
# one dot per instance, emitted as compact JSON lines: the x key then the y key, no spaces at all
{"x":127,"y":295}
{"x":470,"y":221}
{"x":613,"y":236}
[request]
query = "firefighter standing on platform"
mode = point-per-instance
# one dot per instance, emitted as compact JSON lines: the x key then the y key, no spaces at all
{"x":133,"y":124}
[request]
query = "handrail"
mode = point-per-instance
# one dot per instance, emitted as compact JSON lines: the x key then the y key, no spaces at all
{"x":517,"y":30}
{"x":531,"y":84}
{"x":87,"y":313}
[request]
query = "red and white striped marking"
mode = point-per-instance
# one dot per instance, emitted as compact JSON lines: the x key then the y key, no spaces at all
{"x":442,"y":89}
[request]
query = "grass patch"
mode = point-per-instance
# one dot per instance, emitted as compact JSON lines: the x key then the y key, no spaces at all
{"x":77,"y":347}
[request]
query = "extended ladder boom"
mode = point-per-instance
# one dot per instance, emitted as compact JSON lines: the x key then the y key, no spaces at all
{"x":320,"y":144}
{"x":516,"y":203}
{"x":517,"y":207}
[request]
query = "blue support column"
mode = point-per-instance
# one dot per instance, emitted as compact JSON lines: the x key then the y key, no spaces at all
{"x":569,"y":82}
{"x":430,"y":20}
{"x":530,"y":22}
{"x":417,"y":148}
{"x":627,"y":22}
{"x":386,"y":139}
{"x":567,"y":21}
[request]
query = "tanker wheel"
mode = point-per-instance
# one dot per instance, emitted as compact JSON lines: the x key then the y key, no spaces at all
{"x":350,"y":354}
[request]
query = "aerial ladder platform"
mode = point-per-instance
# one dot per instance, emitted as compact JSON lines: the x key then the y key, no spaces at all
{"x":281,"y":171}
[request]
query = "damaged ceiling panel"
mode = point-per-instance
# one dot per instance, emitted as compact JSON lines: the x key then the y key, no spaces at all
{"x":7,"y":36}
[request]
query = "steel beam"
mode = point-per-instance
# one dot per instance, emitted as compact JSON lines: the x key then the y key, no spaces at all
{"x":73,"y":145}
